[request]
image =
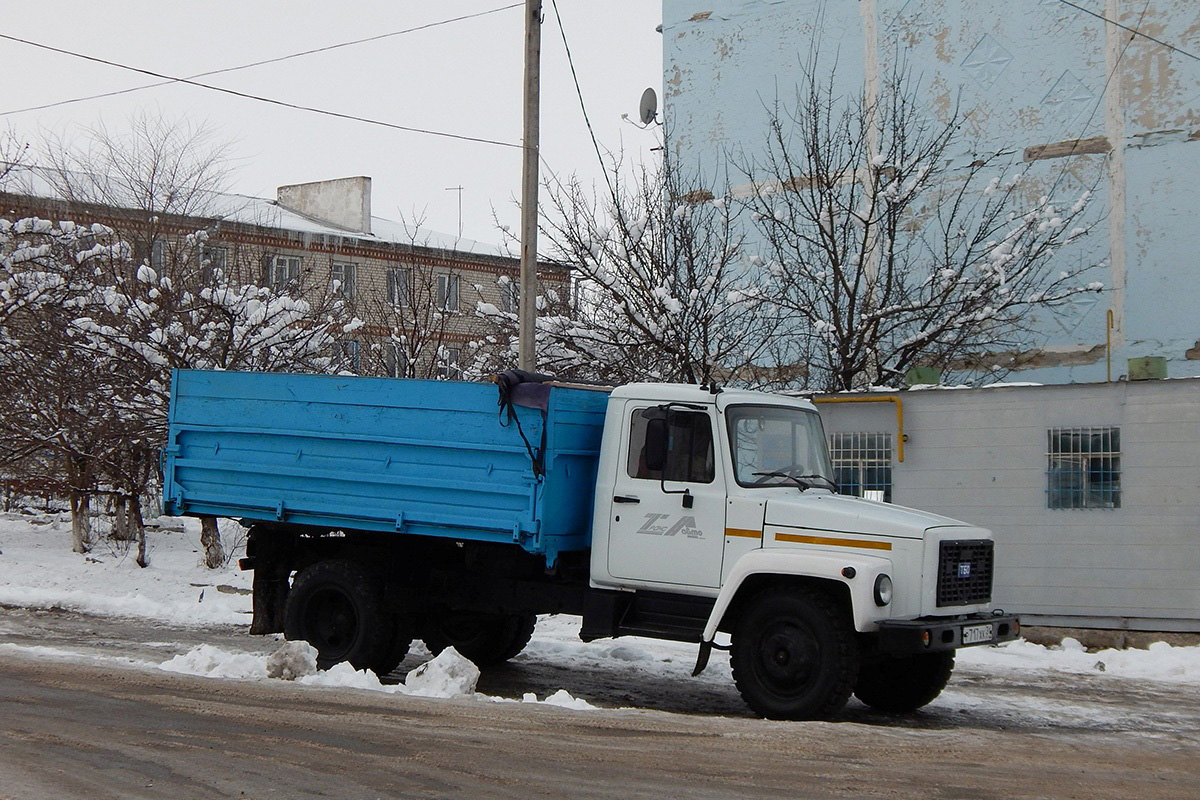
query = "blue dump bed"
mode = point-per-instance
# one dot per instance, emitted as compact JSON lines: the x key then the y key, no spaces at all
{"x":436,"y":458}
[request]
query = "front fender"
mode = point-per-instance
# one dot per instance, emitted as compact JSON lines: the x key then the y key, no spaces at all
{"x":808,"y":564}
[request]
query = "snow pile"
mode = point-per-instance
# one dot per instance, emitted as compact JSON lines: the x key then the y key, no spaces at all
{"x":563,"y":699}
{"x":213,"y":662}
{"x":1159,"y":662}
{"x":293,"y":660}
{"x":447,"y":675}
{"x":346,"y":676}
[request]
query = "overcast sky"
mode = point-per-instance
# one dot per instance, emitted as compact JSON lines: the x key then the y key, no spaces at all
{"x":463,"y":78}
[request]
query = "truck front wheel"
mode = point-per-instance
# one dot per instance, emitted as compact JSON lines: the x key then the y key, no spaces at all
{"x":794,"y":654}
{"x":337,"y":607}
{"x":485,"y":639}
{"x":903,"y":683}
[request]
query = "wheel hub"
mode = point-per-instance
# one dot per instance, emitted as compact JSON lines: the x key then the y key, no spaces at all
{"x":332,"y":622}
{"x":789,"y":656}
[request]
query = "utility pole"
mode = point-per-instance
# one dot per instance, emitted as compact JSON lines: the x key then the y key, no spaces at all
{"x":527,"y":309}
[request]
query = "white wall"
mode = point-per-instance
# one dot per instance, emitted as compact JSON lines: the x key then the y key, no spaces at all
{"x":980,"y":455}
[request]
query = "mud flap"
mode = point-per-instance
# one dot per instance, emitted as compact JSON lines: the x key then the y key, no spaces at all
{"x":706,"y":649}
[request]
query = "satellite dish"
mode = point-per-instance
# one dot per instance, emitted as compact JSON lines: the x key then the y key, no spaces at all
{"x":648,"y":108}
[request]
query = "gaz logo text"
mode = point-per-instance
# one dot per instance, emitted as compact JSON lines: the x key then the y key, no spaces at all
{"x":660,"y":525}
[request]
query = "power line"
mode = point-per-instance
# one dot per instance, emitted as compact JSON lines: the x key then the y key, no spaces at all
{"x":260,"y":98}
{"x":579,"y":93}
{"x":261,"y":63}
{"x":1102,"y":97}
{"x":1134,"y":31}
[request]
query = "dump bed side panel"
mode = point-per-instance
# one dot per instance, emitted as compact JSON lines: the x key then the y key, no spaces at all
{"x":420,"y":457}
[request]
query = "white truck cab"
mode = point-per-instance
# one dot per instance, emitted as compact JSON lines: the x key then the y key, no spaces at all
{"x":730,"y":495}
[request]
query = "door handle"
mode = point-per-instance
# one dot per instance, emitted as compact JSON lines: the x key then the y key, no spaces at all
{"x":625,"y":499}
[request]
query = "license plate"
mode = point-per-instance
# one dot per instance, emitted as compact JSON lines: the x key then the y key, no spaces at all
{"x":976,"y":634}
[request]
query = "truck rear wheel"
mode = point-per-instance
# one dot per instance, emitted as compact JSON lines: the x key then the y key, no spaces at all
{"x":485,"y":639}
{"x":337,"y":607}
{"x":794,"y":654}
{"x":904,"y":683}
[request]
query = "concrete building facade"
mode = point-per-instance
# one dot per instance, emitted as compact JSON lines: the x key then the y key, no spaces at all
{"x":416,"y":291}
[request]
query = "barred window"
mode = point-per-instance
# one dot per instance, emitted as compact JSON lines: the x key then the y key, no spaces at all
{"x":862,"y":464}
{"x":1084,"y":468}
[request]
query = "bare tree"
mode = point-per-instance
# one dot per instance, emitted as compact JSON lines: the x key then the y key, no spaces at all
{"x":190,"y":317}
{"x":415,"y":328}
{"x":892,"y":250}
{"x":665,"y":288}
{"x":128,"y":302}
{"x":57,"y":419}
{"x":155,"y":165}
{"x":13,"y":154}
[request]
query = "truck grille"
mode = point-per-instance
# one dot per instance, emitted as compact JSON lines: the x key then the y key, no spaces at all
{"x":964,"y":572}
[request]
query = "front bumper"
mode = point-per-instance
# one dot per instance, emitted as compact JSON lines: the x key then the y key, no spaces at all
{"x":931,"y":634}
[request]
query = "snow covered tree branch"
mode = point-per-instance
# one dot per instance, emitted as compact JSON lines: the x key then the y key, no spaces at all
{"x":894,"y":249}
{"x":664,"y":288}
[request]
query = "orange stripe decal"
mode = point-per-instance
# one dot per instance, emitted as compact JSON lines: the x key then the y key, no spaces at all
{"x":832,"y":542}
{"x":743,"y":532}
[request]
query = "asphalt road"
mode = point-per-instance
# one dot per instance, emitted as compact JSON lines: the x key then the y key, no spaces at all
{"x":97,"y":730}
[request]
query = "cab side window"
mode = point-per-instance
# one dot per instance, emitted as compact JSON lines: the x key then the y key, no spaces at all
{"x":689,"y":446}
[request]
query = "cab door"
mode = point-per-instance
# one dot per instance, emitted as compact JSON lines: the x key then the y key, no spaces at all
{"x":667,"y":513}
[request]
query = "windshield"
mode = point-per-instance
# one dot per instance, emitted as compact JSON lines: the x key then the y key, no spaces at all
{"x":775,"y":445}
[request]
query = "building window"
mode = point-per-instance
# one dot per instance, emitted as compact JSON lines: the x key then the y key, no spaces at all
{"x":689,"y":446}
{"x":158,"y":255}
{"x":510,"y":295}
{"x":213,"y":261}
{"x":449,"y":367}
{"x":862,"y":464}
{"x":447,"y":298}
{"x":285,"y":270}
{"x":345,"y":356}
{"x":395,"y":360}
{"x":343,"y":279}
{"x":1084,"y":468}
{"x":398,"y":282}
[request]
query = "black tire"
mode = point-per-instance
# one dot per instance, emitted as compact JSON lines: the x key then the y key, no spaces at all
{"x":902,"y":684}
{"x":337,"y":607}
{"x":794,"y":654}
{"x":486,"y":639}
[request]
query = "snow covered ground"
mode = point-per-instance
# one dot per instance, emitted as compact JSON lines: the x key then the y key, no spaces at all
{"x":38,"y":571}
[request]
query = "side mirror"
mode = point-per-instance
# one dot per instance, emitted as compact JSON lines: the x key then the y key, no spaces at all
{"x":655,"y":451}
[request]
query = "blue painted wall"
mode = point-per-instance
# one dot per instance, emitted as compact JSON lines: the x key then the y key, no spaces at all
{"x":1025,"y":73}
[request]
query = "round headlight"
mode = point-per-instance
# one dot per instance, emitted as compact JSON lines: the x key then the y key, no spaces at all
{"x":883,"y":590}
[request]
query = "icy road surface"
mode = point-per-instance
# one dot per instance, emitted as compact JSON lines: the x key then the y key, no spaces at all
{"x":94,"y":705}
